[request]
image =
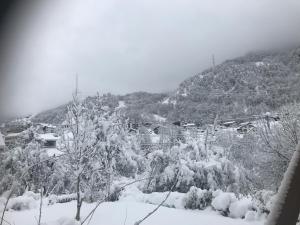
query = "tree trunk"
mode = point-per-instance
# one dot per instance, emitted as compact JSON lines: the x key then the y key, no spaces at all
{"x":287,"y":205}
{"x":205,"y":143}
{"x":41,"y":206}
{"x":79,"y":201}
{"x":5,"y":205}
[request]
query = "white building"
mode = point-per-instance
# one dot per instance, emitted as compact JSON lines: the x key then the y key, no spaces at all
{"x":45,"y":128}
{"x":48,"y":140}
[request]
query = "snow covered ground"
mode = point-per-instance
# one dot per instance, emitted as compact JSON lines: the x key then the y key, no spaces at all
{"x":124,"y":212}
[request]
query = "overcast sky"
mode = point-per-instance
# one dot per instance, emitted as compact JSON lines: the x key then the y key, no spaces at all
{"x":121,"y":46}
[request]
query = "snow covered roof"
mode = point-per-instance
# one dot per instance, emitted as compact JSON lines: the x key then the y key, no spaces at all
{"x":168,"y":101}
{"x":13,"y":135}
{"x":47,"y":125}
{"x":53,"y":152}
{"x":229,"y":122}
{"x":189,"y":125}
{"x":48,"y":137}
{"x":245,"y":123}
{"x":2,"y":143}
{"x":159,"y":118}
{"x":121,"y":105}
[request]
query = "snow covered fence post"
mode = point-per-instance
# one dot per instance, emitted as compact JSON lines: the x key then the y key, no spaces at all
{"x":287,"y":205}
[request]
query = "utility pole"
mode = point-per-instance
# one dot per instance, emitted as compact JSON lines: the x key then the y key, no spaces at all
{"x":213,"y":61}
{"x":76,"y":85}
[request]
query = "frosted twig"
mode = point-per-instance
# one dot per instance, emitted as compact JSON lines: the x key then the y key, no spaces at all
{"x":125,"y":217}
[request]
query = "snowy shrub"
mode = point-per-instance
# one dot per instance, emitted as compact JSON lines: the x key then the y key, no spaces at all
{"x":239,"y":208}
{"x":168,"y":177}
{"x":132,"y":193}
{"x":222,"y":201}
{"x":126,"y":167}
{"x":159,"y":176}
{"x":31,"y":194}
{"x":22,"y":203}
{"x":197,"y":198}
{"x":214,"y":173}
{"x":185,"y":179}
{"x":6,"y":183}
{"x":200,"y":177}
{"x":115,"y":193}
{"x":251,"y":216}
{"x":175,"y":200}
{"x":141,"y":163}
{"x":52,"y":199}
{"x":263,"y":200}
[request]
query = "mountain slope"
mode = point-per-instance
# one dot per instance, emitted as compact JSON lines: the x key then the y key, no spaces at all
{"x":249,"y":85}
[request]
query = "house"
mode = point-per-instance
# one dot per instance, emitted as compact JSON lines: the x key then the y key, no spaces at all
{"x":45,"y":128}
{"x":177,"y":123}
{"x":2,"y":142}
{"x":64,"y":125}
{"x":13,"y":139}
{"x":189,"y":126}
{"x":47,"y":140}
{"x":147,"y":124}
{"x":17,"y":126}
{"x":229,"y":123}
{"x":161,"y":130}
{"x":133,"y":125}
{"x":245,"y":127}
{"x":156,"y":130}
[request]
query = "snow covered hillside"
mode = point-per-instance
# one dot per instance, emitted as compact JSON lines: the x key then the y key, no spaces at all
{"x":223,"y":172}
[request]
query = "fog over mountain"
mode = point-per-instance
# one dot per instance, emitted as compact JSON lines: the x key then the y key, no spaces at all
{"x":123,"y":47}
{"x":250,"y":85}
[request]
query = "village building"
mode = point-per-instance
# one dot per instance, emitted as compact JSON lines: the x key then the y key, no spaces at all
{"x":133,"y":126}
{"x":44,"y":128}
{"x":17,"y":126}
{"x":147,"y":124}
{"x":245,"y":127}
{"x":64,"y":125}
{"x":228,"y":124}
{"x":13,"y":139}
{"x":47,"y":140}
{"x":177,"y":123}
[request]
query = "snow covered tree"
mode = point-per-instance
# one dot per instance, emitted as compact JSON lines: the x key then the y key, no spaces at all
{"x":28,"y":166}
{"x":278,"y":142}
{"x":79,"y":145}
{"x":96,"y":149}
